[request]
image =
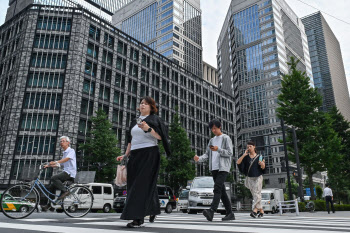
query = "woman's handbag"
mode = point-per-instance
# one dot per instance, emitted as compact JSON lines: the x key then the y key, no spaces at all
{"x":121,"y":177}
{"x":246,"y":183}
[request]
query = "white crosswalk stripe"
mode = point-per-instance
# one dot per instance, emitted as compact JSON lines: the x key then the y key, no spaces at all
{"x":179,"y":221}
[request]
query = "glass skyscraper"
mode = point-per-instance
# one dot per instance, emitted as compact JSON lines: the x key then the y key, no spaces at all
{"x":327,"y":64}
{"x":256,"y":42}
{"x":171,"y":27}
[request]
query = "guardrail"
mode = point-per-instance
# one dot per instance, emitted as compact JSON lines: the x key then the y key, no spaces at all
{"x":288,"y":205}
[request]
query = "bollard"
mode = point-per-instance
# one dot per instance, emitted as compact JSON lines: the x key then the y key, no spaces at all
{"x":296,"y":207}
{"x":280,"y":207}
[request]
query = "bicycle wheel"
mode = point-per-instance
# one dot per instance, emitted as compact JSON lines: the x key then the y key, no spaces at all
{"x":19,"y":201}
{"x":79,"y":202}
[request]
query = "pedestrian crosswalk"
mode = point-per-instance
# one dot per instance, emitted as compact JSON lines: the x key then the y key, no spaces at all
{"x":178,"y":222}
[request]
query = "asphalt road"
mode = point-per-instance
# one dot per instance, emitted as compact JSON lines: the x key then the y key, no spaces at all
{"x":177,"y":222}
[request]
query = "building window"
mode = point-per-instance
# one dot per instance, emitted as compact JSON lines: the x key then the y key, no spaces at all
{"x":119,"y":80}
{"x":49,"y":60}
{"x":104,"y":93}
{"x":92,"y":50}
{"x":51,"y":41}
{"x":90,"y":68}
{"x":134,"y":54}
{"x":106,"y":75}
{"x":133,"y":70}
{"x":107,"y":57}
{"x":42,"y":101}
{"x":94,"y":33}
{"x":88,"y":87}
{"x":122,"y":48}
{"x":45,"y":122}
{"x":45,"y":80}
{"x":35,"y":145}
{"x":54,"y":24}
{"x":121,"y":64}
{"x":108,"y":41}
{"x":87,"y":107}
{"x":144,"y":75}
{"x":84,"y":127}
{"x":118,"y":98}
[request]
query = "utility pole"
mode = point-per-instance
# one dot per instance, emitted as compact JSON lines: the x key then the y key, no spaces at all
{"x":290,"y":194}
{"x":300,"y":178}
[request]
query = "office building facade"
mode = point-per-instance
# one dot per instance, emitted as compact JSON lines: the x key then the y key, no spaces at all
{"x":171,"y":27}
{"x":327,"y":64}
{"x":256,"y":42}
{"x":210,"y":74}
{"x":58,"y":65}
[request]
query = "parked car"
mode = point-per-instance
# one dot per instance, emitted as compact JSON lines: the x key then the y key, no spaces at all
{"x":103,"y":196}
{"x":201,"y":193}
{"x":9,"y":203}
{"x":270,"y":198}
{"x":182,"y":202}
{"x":119,"y":203}
{"x":167,"y":199}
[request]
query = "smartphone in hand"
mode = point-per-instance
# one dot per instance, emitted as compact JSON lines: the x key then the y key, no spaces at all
{"x":260,"y":158}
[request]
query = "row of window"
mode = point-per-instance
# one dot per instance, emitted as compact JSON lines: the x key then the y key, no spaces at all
{"x":35,"y":145}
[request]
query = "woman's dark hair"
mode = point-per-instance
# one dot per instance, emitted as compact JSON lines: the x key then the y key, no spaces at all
{"x":252,"y":144}
{"x":151,"y":102}
{"x":215,"y":122}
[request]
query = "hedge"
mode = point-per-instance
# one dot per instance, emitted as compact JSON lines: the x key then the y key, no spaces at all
{"x":320,"y":205}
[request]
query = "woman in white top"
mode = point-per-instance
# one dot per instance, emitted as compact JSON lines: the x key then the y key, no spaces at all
{"x":143,"y":165}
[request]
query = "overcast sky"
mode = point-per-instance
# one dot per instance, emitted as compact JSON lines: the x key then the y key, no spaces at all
{"x":214,"y":13}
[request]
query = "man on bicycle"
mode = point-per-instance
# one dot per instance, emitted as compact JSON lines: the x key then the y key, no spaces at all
{"x":69,"y":164}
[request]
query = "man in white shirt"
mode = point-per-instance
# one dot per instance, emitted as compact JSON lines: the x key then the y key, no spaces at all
{"x":69,"y":164}
{"x":328,"y":194}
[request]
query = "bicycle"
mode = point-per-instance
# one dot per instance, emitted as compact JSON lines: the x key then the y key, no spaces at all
{"x":310,"y":206}
{"x":20,"y":200}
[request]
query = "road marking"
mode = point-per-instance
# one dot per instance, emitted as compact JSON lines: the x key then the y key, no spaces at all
{"x":60,"y":229}
{"x":213,"y":226}
{"x":38,"y":220}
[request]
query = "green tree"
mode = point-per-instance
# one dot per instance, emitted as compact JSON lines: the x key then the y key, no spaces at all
{"x":242,"y":191}
{"x":299,"y":104}
{"x":100,"y":149}
{"x":319,"y":192}
{"x":180,"y":169}
{"x":339,"y":173}
{"x":163,"y":176}
{"x":294,"y":185}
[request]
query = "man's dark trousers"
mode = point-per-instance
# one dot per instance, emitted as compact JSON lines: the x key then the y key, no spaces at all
{"x":57,"y":181}
{"x":220,"y":191}
{"x":329,"y":199}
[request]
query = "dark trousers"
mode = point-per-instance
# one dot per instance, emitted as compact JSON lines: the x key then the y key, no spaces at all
{"x":220,"y":191}
{"x":329,"y":199}
{"x":57,"y":181}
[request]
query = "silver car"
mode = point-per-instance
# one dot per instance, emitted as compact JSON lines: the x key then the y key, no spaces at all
{"x":201,"y":195}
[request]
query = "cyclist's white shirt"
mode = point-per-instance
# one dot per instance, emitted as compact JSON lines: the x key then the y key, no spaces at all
{"x":71,"y":165}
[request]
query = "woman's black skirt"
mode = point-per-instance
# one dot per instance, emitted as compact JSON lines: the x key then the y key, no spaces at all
{"x":142,"y":194}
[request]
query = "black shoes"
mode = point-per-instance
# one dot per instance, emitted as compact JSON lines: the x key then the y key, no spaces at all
{"x":209,"y":214}
{"x":135,"y":224}
{"x":230,"y":216}
{"x":253,"y":214}
{"x":44,"y":208}
{"x":63,"y":195}
{"x":260,"y":215}
{"x":152,"y":218}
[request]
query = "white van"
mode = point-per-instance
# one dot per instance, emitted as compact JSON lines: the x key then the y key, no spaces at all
{"x":103,"y":196}
{"x":270,"y":198}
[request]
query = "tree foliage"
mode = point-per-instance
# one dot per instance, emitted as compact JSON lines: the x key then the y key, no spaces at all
{"x":317,"y":141}
{"x":339,"y":172}
{"x":100,"y":149}
{"x":180,"y":169}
